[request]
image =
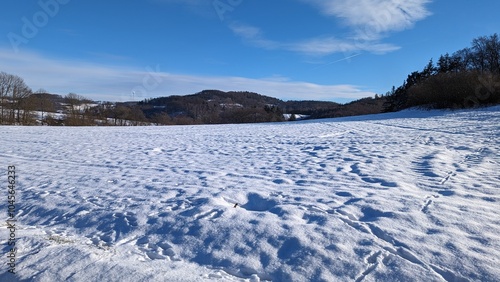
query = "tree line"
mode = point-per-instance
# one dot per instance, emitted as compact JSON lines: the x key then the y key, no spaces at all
{"x":467,"y":78}
{"x":19,"y":105}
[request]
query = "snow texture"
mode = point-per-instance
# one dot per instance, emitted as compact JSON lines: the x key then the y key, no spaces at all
{"x":409,"y":196}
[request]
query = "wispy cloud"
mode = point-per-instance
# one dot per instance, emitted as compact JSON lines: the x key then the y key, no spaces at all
{"x":254,"y":35}
{"x":369,"y":22}
{"x":373,"y":18}
{"x":112,"y":83}
{"x":330,"y":45}
{"x":315,"y":46}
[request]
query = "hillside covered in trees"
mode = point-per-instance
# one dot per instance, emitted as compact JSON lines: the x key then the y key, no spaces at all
{"x":22,"y":107}
{"x":468,"y":78}
{"x":214,"y":106}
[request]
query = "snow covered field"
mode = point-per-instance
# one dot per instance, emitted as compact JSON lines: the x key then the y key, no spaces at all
{"x":410,"y":196}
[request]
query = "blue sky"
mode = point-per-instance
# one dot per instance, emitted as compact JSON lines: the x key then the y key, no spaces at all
{"x":294,"y":50}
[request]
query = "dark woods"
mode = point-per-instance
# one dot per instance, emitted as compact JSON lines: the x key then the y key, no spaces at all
{"x":468,"y":78}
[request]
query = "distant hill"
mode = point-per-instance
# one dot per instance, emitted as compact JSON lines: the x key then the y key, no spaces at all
{"x":215,"y":106}
{"x":205,"y":107}
{"x":210,"y":100}
{"x":212,"y":107}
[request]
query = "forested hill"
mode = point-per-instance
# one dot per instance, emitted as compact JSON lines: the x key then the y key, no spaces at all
{"x":467,"y":78}
{"x":214,"y":106}
{"x":207,"y":101}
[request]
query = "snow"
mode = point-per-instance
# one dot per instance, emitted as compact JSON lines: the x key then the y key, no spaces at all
{"x":297,"y":116}
{"x":409,"y":196}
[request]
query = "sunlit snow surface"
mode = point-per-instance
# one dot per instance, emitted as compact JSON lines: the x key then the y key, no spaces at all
{"x":411,"y":196}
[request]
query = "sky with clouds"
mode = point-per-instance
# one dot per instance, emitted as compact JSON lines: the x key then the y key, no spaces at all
{"x":294,"y":50}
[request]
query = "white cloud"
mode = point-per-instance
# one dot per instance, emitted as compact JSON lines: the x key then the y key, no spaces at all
{"x":369,"y":21}
{"x":118,"y":83}
{"x":254,"y":35}
{"x":330,"y":45}
{"x":373,"y":18}
{"x":316,"y":46}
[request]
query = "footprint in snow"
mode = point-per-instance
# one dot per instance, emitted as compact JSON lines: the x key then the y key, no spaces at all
{"x":157,"y":251}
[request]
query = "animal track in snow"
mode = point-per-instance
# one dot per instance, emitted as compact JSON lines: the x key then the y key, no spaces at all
{"x":158,"y":251}
{"x":371,"y":180}
{"x":428,"y":202}
{"x":390,"y":244}
{"x":469,"y":161}
{"x":373,"y":261}
{"x":101,"y":241}
{"x":209,"y":215}
{"x":113,"y":227}
{"x":447,"y":177}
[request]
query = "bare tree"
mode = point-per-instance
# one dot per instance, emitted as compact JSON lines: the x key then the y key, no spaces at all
{"x":21,"y":97}
{"x":77,"y":109}
{"x":487,"y":53}
{"x":13,"y":95}
{"x":5,"y":93}
{"x":42,"y":101}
